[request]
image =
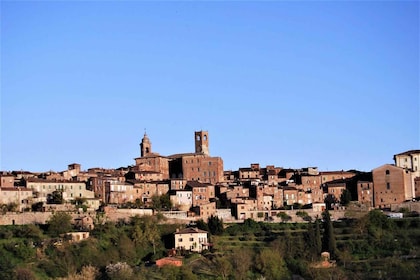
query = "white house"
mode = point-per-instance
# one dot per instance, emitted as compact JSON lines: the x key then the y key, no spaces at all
{"x":192,"y":239}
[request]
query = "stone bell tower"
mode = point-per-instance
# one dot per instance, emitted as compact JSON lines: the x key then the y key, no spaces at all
{"x":202,"y":142}
{"x":145,"y":146}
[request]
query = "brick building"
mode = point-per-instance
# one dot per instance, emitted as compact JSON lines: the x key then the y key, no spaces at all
{"x":365,"y":192}
{"x":197,"y":166}
{"x":7,"y":180}
{"x":392,"y":185}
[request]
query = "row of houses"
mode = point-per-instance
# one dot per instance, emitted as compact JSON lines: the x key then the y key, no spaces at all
{"x":196,"y":182}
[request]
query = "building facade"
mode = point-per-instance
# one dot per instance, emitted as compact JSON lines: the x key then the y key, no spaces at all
{"x":192,"y":239}
{"x":392,"y":185}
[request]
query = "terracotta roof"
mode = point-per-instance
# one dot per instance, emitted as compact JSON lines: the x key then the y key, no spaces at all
{"x":151,"y":155}
{"x":146,"y":172}
{"x":335,"y":172}
{"x":190,"y":230}
{"x":184,"y":155}
{"x":52,"y":181}
{"x":15,"y":189}
{"x":407,"y":153}
{"x":195,"y":184}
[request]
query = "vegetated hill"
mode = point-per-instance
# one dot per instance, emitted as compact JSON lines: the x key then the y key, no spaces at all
{"x":372,"y":247}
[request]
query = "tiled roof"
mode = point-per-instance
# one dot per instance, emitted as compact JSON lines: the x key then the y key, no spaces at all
{"x":190,"y":230}
{"x":184,"y":155}
{"x":52,"y":181}
{"x":195,"y":184}
{"x":407,"y":153}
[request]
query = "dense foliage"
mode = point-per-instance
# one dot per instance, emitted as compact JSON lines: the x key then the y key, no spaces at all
{"x":373,"y":247}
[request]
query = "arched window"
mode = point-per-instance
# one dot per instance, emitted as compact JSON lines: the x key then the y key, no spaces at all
{"x":387,"y":172}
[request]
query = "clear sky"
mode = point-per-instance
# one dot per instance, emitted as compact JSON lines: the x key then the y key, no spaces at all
{"x":332,"y":84}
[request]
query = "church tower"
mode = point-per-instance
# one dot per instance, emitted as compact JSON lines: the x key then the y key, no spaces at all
{"x":145,"y":146}
{"x":202,"y":142}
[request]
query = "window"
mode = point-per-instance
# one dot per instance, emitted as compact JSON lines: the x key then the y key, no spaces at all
{"x":191,"y":238}
{"x":209,"y":162}
{"x":179,"y":239}
{"x":388,"y":186}
{"x":387,"y":172}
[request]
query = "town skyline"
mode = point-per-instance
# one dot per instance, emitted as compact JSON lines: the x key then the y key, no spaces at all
{"x":132,"y":164}
{"x":326,"y":84}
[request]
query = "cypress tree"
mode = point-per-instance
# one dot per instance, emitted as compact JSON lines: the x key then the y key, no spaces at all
{"x":328,"y":241}
{"x":310,"y":240}
{"x":318,"y":241}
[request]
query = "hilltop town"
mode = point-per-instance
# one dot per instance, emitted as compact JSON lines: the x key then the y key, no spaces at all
{"x":183,"y":216}
{"x":194,"y":185}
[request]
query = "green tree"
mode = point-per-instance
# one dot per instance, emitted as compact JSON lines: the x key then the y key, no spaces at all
{"x":328,"y":241}
{"x":161,"y":202}
{"x":22,"y":273}
{"x":318,"y":239}
{"x":223,"y":267}
{"x":241,"y":260}
{"x":38,"y":207}
{"x":329,"y":201}
{"x":151,"y":232}
{"x":283,"y":216}
{"x":119,"y":271}
{"x":310,"y":241}
{"x":59,"y":223}
{"x":271,"y":264}
{"x":345,"y":197}
{"x":56,"y":197}
{"x":215,"y":225}
{"x":201,"y":224}
{"x":138,"y":236}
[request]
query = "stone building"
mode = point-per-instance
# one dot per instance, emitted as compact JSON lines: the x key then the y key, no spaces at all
{"x":205,"y":210}
{"x":181,"y":199}
{"x":365,"y":193}
{"x":417,"y":187}
{"x":151,"y":162}
{"x":197,"y":166}
{"x":22,"y":197}
{"x":7,"y":180}
{"x":70,"y":190}
{"x":202,"y":193}
{"x":409,"y":160}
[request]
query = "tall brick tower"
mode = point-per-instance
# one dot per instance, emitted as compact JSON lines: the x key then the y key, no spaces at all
{"x":202,"y":142}
{"x":145,"y":146}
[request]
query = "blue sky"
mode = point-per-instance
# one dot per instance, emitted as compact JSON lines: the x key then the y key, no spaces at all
{"x":291,"y":84}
